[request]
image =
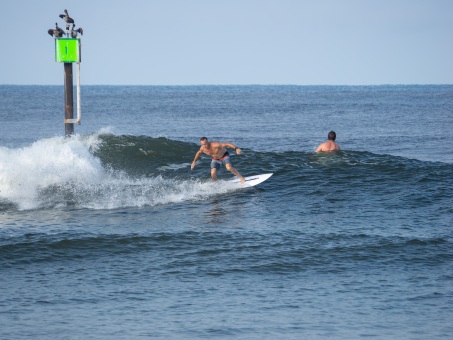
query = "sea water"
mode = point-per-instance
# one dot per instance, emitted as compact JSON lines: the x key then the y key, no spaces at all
{"x":108,"y":234}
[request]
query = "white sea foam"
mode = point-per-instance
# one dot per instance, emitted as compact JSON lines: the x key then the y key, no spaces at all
{"x":60,"y":171}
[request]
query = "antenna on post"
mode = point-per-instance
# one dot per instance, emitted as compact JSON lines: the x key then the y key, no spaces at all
{"x":68,"y":51}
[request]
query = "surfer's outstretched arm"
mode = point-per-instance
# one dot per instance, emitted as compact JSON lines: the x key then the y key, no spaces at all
{"x":231,"y":146}
{"x":197,"y":156}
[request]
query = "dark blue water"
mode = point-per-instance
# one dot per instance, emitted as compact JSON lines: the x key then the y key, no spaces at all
{"x":108,"y":234}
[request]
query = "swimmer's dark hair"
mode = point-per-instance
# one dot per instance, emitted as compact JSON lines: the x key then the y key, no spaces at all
{"x":332,"y":136}
{"x":203,"y":138}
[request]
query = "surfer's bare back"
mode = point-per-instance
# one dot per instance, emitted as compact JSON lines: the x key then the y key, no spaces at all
{"x":330,"y":145}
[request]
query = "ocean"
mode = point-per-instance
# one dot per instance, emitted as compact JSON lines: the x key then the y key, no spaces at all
{"x":108,"y":234}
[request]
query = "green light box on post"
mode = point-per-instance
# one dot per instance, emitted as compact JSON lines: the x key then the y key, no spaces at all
{"x":67,"y":50}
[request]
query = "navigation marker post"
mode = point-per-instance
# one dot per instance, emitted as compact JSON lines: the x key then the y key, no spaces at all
{"x":68,"y":51}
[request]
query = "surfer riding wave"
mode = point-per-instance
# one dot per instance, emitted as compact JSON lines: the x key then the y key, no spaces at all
{"x":219,"y":155}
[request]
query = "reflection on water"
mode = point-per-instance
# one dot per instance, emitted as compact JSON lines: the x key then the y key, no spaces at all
{"x":216,"y":214}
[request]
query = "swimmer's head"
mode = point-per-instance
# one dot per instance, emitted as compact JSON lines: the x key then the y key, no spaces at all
{"x":332,"y":136}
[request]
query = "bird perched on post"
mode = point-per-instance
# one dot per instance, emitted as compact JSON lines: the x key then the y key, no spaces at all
{"x":56,"y":32}
{"x":66,"y":17}
{"x":74,"y":32}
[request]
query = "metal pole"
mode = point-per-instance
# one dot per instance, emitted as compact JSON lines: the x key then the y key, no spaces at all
{"x":79,"y":114}
{"x":68,"y":99}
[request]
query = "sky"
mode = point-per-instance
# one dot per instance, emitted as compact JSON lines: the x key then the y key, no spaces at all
{"x":225,"y":42}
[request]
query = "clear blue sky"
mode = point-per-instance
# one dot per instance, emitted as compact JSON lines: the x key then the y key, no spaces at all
{"x":184,"y":42}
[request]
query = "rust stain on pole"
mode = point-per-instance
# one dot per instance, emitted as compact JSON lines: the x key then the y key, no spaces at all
{"x":68,"y":98}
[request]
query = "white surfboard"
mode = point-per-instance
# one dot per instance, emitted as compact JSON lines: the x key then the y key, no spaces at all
{"x":251,"y":181}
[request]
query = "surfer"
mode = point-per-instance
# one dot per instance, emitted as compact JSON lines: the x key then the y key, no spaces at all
{"x":330,"y":145}
{"x":219,"y":155}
